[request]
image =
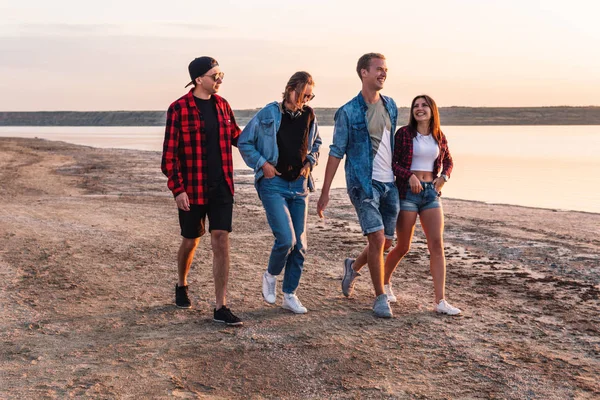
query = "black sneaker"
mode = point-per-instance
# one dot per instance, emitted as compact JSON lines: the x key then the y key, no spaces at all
{"x":225,"y":316}
{"x":181,"y":297}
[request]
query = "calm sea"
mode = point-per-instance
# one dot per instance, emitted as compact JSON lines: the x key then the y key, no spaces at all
{"x":538,"y":166}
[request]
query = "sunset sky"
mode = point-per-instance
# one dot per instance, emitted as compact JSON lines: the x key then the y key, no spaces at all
{"x":133,"y":55}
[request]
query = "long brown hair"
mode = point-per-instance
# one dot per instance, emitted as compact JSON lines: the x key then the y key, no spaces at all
{"x":434,"y":122}
{"x":298,"y":82}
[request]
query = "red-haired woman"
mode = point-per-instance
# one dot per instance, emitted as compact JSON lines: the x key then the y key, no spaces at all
{"x":420,"y":154}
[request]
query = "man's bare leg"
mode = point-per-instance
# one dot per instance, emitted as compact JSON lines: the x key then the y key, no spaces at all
{"x":361,"y":260}
{"x":185,"y":256}
{"x":375,"y":259}
{"x":220,"y":248}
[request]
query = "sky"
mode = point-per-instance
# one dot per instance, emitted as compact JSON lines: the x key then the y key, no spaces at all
{"x":133,"y":55}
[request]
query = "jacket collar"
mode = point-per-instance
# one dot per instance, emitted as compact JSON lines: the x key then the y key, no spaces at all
{"x":363,"y":103}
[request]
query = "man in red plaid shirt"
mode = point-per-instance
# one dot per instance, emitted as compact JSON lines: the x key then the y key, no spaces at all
{"x":197,"y":161}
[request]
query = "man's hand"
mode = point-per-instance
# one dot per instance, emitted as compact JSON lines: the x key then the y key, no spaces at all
{"x":183,"y":201}
{"x":269,"y":170}
{"x":322,"y":204}
{"x":330,"y":169}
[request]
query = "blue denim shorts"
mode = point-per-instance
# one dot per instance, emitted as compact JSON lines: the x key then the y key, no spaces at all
{"x":379,"y":212}
{"x":428,"y":198}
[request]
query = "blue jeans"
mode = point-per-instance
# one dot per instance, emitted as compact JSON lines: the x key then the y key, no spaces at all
{"x":285,"y":204}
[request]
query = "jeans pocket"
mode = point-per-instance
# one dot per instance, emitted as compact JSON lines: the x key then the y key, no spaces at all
{"x":430,"y":195}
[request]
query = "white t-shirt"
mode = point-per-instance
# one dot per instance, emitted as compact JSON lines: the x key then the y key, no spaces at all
{"x":425,"y":151}
{"x":382,"y":163}
{"x":379,"y":126}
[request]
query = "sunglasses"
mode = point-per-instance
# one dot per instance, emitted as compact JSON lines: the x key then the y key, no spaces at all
{"x":309,"y":97}
{"x":218,"y":75}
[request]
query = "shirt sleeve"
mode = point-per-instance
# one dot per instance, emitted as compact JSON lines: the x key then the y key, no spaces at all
{"x":399,"y":156}
{"x":313,"y":155}
{"x":341,"y":130}
{"x":235,"y":130}
{"x":247,"y":144}
{"x":170,"y":164}
{"x":447,"y":163}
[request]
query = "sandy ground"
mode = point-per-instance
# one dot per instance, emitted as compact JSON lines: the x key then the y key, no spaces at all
{"x":88,"y":241}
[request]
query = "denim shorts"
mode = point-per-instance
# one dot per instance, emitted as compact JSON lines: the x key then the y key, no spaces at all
{"x":379,"y":212}
{"x":428,"y":198}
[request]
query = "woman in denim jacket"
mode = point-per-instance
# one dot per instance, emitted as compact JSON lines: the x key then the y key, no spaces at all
{"x":281,"y":144}
{"x":420,"y":154}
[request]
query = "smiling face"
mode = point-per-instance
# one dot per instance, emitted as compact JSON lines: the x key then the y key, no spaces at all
{"x":421,"y":110}
{"x":425,"y":117}
{"x":374,"y":77}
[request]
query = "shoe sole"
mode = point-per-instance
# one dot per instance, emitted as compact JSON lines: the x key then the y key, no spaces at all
{"x":295,"y":312}
{"x":228,"y":323}
{"x":383,"y":315}
{"x":446,"y":313}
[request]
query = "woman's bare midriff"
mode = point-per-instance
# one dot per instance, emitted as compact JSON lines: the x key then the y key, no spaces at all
{"x":424,"y":176}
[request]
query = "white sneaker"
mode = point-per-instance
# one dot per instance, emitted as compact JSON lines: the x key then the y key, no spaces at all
{"x":292,"y":303}
{"x":443,"y":307}
{"x":390,"y":293}
{"x":269,"y":287}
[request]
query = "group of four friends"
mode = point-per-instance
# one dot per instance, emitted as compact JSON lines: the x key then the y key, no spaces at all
{"x":390,"y":179}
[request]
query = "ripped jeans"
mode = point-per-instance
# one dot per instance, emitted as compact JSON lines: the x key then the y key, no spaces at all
{"x":379,"y":212}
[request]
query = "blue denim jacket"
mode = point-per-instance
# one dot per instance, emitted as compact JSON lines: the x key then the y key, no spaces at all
{"x":351,"y":138}
{"x":258,"y":141}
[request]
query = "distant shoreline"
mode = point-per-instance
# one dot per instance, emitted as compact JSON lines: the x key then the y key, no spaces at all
{"x":449,"y":115}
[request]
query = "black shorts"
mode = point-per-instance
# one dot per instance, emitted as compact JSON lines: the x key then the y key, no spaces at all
{"x":219,"y":211}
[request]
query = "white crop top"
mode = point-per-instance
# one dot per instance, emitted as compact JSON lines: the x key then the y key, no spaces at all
{"x":425,"y":151}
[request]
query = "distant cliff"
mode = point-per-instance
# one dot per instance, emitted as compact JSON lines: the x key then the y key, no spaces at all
{"x":449,"y":116}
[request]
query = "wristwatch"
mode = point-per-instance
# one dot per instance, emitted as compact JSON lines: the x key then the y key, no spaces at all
{"x":444,"y":177}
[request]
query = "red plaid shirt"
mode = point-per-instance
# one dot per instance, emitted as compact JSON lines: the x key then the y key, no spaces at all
{"x":184,"y":159}
{"x":402,"y":158}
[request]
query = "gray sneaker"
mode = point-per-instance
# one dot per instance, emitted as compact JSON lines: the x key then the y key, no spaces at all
{"x":381,"y":308}
{"x":349,"y":276}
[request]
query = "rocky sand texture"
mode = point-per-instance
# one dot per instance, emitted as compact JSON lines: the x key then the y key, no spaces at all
{"x":87,"y":260}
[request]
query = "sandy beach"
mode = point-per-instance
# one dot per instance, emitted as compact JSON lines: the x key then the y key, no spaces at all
{"x":87,"y":258}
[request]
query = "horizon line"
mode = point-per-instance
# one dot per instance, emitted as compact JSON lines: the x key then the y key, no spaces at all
{"x":325,"y":107}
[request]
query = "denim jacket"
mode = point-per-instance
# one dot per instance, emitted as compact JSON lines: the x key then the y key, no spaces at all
{"x":258,"y":141}
{"x":351,"y":138}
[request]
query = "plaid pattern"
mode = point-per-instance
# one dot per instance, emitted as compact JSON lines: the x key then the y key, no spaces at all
{"x":402,"y":158}
{"x":184,"y":160}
